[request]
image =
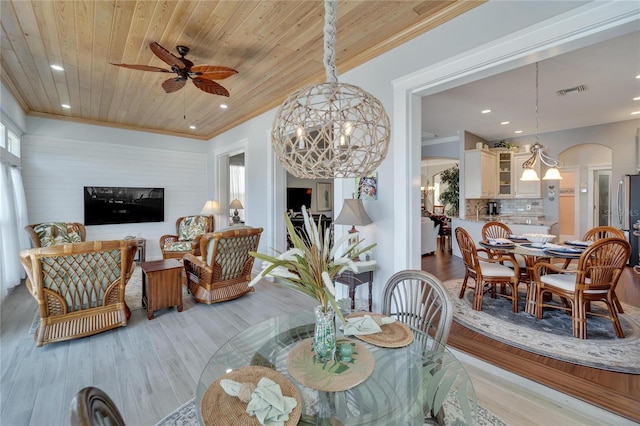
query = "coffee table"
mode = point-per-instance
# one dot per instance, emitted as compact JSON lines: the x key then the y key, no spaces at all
{"x":161,"y":285}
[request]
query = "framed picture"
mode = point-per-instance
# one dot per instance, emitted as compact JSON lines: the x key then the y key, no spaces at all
{"x":324,"y":197}
{"x":367,"y":187}
{"x":438,"y":210}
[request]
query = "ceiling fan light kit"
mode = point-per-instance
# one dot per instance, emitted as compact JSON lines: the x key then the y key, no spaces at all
{"x":528,"y":173}
{"x":330,"y":130}
{"x":202,"y":76}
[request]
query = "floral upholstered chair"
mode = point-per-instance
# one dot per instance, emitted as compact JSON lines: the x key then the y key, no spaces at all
{"x":55,"y":233}
{"x":189,"y":230}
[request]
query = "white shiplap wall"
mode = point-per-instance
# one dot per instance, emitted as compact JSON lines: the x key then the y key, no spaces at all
{"x":55,"y":171}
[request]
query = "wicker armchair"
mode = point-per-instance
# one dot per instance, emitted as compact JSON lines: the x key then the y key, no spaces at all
{"x":79,"y":287}
{"x":189,"y":230}
{"x":224,"y":271}
{"x":49,"y":234}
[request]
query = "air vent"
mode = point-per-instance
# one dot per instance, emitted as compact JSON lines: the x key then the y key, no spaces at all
{"x":580,"y":88}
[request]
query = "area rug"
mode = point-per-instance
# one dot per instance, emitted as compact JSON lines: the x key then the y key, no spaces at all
{"x":552,"y":336}
{"x":132,"y":297}
{"x":186,"y":415}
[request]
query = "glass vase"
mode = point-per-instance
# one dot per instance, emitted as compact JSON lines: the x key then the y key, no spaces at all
{"x":324,"y":337}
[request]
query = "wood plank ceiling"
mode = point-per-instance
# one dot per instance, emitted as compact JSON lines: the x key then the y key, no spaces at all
{"x":276,"y":46}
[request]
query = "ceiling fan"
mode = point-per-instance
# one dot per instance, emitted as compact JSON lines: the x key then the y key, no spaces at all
{"x":201,"y":75}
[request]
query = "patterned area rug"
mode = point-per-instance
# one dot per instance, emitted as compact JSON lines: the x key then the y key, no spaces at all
{"x":186,"y":415}
{"x":552,"y":336}
{"x":132,"y":296}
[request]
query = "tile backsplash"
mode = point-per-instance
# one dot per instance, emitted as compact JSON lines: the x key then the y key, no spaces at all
{"x":510,"y":206}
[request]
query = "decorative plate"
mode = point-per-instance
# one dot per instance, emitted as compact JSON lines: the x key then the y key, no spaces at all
{"x":331,"y":376}
{"x":220,"y":408}
{"x":496,"y":246}
{"x":393,"y":335}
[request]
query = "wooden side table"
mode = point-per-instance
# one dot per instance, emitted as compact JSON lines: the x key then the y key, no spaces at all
{"x":161,"y":285}
{"x":353,"y":280}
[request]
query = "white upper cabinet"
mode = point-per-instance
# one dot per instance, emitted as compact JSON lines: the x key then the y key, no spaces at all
{"x":480,"y":174}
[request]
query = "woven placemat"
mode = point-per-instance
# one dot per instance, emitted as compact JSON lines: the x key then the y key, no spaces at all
{"x":332,"y":376}
{"x":393,"y":335}
{"x":220,"y":408}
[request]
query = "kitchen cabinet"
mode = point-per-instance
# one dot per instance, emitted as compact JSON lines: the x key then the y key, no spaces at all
{"x":480,"y":173}
{"x":525,"y":189}
{"x":505,"y":174}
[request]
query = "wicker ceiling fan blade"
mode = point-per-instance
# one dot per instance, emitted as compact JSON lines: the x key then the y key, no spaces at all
{"x":141,"y":67}
{"x":166,"y":56}
{"x":173,"y":84}
{"x":210,"y":86}
{"x":213,"y":72}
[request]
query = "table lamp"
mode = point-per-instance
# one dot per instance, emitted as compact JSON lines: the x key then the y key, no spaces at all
{"x":210,"y":208}
{"x":353,"y":213}
{"x":236,"y":204}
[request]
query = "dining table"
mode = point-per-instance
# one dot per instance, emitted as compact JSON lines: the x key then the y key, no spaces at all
{"x":411,"y":384}
{"x":533,"y":254}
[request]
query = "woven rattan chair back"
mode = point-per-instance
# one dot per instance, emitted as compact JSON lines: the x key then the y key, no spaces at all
{"x":600,"y":232}
{"x":79,"y":287}
{"x":91,"y":406}
{"x":224,"y":270}
{"x":495,"y":230}
{"x":468,"y":249}
{"x":419,"y":299}
{"x":602,"y":263}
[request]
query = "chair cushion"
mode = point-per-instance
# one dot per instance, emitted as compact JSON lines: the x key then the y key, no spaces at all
{"x":191,"y":227}
{"x":56,"y":233}
{"x":566,"y":282}
{"x":495,"y":270}
{"x":178,"y":246}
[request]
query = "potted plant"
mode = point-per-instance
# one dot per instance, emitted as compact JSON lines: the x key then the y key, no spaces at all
{"x":451,"y":195}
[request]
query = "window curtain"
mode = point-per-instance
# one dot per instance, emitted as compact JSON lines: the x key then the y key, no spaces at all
{"x":13,"y":219}
{"x":236,"y":186}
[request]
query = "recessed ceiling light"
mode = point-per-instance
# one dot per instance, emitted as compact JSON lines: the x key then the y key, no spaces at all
{"x":65,"y":106}
{"x":57,"y":67}
{"x":504,"y":123}
{"x":638,"y":76}
{"x":223,"y":106}
{"x":636,"y":98}
{"x":485,"y":111}
{"x":518,"y":131}
{"x":192,"y":127}
{"x":635,"y":113}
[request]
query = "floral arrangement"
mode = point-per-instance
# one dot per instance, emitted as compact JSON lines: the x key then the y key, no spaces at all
{"x":312,"y":264}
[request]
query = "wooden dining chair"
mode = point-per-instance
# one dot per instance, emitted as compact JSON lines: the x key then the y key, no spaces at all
{"x":598,"y":233}
{"x":487,"y":272}
{"x":595,"y":279}
{"x":496,"y":229}
{"x":419,"y":299}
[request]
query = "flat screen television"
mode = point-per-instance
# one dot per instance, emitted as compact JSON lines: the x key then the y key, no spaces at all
{"x":298,"y":197}
{"x":105,"y":205}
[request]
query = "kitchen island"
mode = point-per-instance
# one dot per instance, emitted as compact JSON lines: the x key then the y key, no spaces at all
{"x":518,"y":224}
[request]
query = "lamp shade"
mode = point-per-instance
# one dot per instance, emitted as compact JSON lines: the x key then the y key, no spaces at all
{"x":529,"y":175}
{"x":236,"y":204}
{"x":210,"y":208}
{"x":353,"y":213}
{"x":552,"y":174}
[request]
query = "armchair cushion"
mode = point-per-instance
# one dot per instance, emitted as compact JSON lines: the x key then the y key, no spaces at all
{"x":178,"y":245}
{"x":56,"y":233}
{"x":191,"y":227}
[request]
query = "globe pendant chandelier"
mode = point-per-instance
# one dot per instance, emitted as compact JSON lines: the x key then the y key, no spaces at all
{"x":529,"y":173}
{"x":330,"y":130}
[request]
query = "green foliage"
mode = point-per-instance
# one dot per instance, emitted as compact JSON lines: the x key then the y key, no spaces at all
{"x":450,"y":197}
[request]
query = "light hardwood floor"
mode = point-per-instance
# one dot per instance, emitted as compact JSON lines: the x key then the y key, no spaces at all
{"x":150,"y":368}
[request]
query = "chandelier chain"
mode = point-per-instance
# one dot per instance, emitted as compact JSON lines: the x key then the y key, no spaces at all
{"x":330,"y":20}
{"x":537,"y":98}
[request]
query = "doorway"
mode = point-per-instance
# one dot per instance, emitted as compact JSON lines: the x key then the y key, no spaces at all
{"x":602,"y":197}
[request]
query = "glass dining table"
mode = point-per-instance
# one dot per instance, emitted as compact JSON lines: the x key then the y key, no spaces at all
{"x":531,"y":256}
{"x":405,"y":384}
